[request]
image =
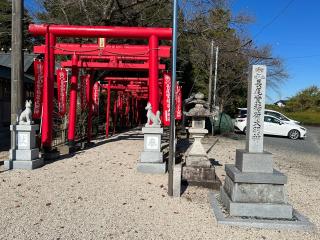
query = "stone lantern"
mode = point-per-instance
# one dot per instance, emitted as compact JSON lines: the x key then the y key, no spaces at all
{"x":198,"y":170}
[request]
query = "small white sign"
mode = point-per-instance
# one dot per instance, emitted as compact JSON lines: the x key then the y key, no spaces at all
{"x":152,"y":143}
{"x":23,"y":140}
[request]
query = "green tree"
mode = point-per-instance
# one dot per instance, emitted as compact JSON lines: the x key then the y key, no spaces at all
{"x":5,"y":26}
{"x":205,"y":21}
{"x":306,"y":99}
{"x":200,"y":22}
{"x":105,"y":12}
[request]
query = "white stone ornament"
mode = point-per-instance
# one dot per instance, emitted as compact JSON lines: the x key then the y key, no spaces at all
{"x":25,"y":117}
{"x":155,"y":118}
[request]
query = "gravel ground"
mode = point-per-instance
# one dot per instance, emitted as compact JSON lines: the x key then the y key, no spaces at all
{"x":98,"y":194}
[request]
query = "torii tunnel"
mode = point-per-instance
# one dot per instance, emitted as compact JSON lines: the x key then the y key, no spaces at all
{"x":100,"y":56}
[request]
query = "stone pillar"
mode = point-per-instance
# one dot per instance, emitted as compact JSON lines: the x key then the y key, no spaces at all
{"x":252,"y":187}
{"x":26,"y":155}
{"x":151,"y":159}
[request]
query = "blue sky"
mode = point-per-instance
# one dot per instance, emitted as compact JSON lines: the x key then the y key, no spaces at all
{"x":294,"y":35}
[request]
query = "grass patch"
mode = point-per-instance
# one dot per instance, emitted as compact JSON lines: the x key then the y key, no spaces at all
{"x":306,"y":117}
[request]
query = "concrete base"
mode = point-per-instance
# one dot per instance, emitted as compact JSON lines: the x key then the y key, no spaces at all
{"x":255,"y":193}
{"x":254,"y":162}
{"x":242,"y":177}
{"x":28,"y":165}
{"x":298,"y":222}
{"x":250,"y":194}
{"x":153,"y":168}
{"x":197,"y":161}
{"x":260,"y":210}
{"x":200,"y":176}
{"x":26,"y":155}
{"x":151,"y":157}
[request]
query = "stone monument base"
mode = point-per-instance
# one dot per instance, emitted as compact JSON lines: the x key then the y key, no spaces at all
{"x":251,"y":194}
{"x":153,"y":168}
{"x":24,"y":164}
{"x":200,"y":176}
{"x":151,"y":157}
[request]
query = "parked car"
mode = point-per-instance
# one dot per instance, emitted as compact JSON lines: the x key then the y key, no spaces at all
{"x":274,"y":126}
{"x":243,"y":113}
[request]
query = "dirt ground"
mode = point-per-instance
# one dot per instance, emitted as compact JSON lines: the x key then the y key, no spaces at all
{"x":98,"y":194}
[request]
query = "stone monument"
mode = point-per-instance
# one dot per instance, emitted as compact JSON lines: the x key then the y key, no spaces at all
{"x":24,"y":154}
{"x":151,"y":159}
{"x":198,"y":170}
{"x":252,"y":187}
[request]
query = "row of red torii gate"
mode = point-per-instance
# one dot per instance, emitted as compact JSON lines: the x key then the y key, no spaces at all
{"x":93,"y":57}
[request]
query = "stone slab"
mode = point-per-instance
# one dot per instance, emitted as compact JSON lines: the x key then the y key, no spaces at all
{"x":152,"y":130}
{"x":152,"y":142}
{"x":195,"y":131}
{"x":28,"y":165}
{"x":300,"y":222}
{"x":177,"y":172}
{"x":261,"y":210}
{"x":27,"y":154}
{"x":26,"y":140}
{"x":197,"y":161}
{"x":240,"y":177}
{"x":152,"y":168}
{"x":26,"y":128}
{"x":255,"y":193}
{"x":151,"y":157}
{"x":254,"y":162}
{"x":200,"y":176}
{"x":7,"y":164}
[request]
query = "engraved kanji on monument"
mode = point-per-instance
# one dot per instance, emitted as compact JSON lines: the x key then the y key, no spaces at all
{"x":252,"y":188}
{"x":253,"y":158}
{"x":255,"y":110}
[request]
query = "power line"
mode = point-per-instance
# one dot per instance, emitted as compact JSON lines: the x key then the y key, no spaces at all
{"x":274,"y":19}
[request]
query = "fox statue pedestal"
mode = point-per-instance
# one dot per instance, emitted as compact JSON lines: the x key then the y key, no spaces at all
{"x":26,"y":155}
{"x":23,"y":152}
{"x":151,"y":159}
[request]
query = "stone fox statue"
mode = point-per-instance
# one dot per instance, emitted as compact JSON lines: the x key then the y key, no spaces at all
{"x":25,"y":117}
{"x":155,"y":118}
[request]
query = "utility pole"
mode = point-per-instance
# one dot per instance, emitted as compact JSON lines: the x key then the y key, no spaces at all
{"x":17,"y":65}
{"x":172,"y":140}
{"x":210,"y":76}
{"x":215,"y":78}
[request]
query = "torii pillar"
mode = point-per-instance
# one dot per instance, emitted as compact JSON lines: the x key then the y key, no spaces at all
{"x":153,"y":73}
{"x":73,"y":100}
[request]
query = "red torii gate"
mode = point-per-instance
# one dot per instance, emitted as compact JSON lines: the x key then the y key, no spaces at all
{"x":126,"y":88}
{"x":51,"y":32}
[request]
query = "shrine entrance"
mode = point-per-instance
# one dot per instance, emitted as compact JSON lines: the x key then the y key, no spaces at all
{"x":126,"y":75}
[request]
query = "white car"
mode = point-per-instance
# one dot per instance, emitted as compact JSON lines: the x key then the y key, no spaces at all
{"x":243,"y":113}
{"x":274,"y":126}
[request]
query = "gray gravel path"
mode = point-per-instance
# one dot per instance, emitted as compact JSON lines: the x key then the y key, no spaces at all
{"x":98,"y":194}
